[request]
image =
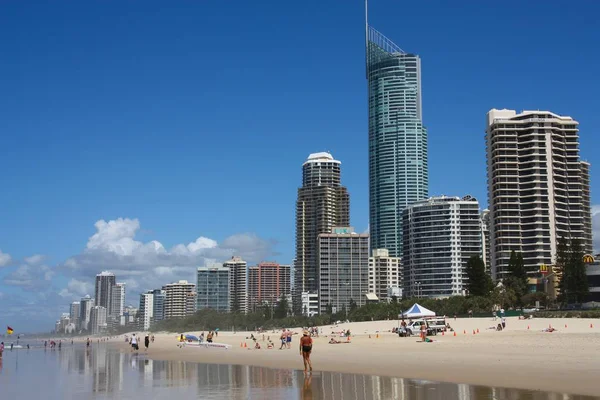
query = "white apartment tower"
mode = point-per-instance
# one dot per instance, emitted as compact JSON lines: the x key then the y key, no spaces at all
{"x":385,"y":275}
{"x":536,"y":186}
{"x":146,"y":310}
{"x":180,"y":299}
{"x":117,"y":303}
{"x":238,"y":284}
{"x":440,"y":235}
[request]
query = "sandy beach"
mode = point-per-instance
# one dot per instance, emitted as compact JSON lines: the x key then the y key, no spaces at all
{"x":522,"y":356}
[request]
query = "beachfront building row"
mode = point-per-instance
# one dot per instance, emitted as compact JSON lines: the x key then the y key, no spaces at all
{"x":234,"y":286}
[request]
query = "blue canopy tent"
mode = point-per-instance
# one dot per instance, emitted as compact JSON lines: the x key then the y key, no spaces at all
{"x":417,"y":311}
{"x":191,"y":337}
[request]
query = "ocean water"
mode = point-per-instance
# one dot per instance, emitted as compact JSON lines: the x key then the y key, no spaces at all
{"x":104,"y":373}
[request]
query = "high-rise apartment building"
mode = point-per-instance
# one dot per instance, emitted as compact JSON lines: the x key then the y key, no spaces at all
{"x":212,"y":288}
{"x":75,"y":314}
{"x":178,"y":296}
{"x":268,"y":282}
{"x":486,"y":241}
{"x":238,"y":284}
{"x":398,"y":165}
{"x":117,"y":304}
{"x":385,"y":275}
{"x":343,"y":269}
{"x":537,"y":186}
{"x":440,"y":235}
{"x":158,"y":303}
{"x":98,"y":320}
{"x":146,"y":310}
{"x":86,"y":305}
{"x":104,"y":284}
{"x":322,"y":204}
{"x":586,"y":201}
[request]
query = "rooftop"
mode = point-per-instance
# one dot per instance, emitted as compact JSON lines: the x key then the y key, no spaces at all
{"x":320,"y":157}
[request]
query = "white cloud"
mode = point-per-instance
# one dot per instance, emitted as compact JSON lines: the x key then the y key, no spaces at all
{"x":5,"y":259}
{"x":596,"y":227}
{"x":146,"y":265}
{"x":76,"y":289}
{"x":35,"y":259}
{"x":31,"y":275}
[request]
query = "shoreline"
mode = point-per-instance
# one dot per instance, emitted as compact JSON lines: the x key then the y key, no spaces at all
{"x":516,"y":358}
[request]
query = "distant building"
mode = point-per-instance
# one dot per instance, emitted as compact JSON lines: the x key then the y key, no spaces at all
{"x":385,"y":275}
{"x":310,"y":304}
{"x":177,"y":299}
{"x":104,"y":284}
{"x":86,"y":305}
{"x":212,"y":288}
{"x":158,"y":302}
{"x":268,"y":282}
{"x":593,"y":275}
{"x":486,"y":241}
{"x":146,"y":310}
{"x":98,"y":320}
{"x":117,"y":302}
{"x":238,"y":284}
{"x":75,"y":314}
{"x":586,"y":204}
{"x":538,"y":187}
{"x":322,"y":204}
{"x":343,"y":269}
{"x":130,"y":315}
{"x":440,"y":235}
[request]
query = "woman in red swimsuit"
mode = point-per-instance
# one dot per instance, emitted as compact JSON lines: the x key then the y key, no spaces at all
{"x":305,"y":349}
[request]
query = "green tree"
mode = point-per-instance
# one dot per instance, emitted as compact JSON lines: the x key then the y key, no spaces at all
{"x":281,"y":310}
{"x":578,"y":282}
{"x":562,"y":259}
{"x":235,"y":304}
{"x":353,"y":305}
{"x":480,"y":283}
{"x":517,"y":278}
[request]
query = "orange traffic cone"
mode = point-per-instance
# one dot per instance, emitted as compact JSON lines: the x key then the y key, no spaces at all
{"x":464,"y":332}
{"x":591,"y":325}
{"x":477,"y":330}
{"x":245,"y":345}
{"x":442,"y":333}
{"x":565,"y":326}
{"x":348,"y":339}
{"x":473,"y":331}
{"x":241,"y":344}
{"x":377,"y":336}
{"x":454,"y":333}
{"x":527,"y":327}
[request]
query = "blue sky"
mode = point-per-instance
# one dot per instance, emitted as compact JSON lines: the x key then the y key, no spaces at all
{"x":191,"y":120}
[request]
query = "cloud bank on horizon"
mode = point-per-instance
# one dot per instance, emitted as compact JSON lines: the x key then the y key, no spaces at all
{"x":41,"y":291}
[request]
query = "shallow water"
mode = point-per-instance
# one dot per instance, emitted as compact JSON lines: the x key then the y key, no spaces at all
{"x":103,"y":373}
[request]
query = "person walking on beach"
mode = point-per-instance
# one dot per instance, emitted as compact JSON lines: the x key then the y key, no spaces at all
{"x":288,"y":338}
{"x":134,"y":343}
{"x":423,"y":331}
{"x":306,"y":343}
{"x":209,"y":337}
{"x":283,"y":339}
{"x":147,"y":342}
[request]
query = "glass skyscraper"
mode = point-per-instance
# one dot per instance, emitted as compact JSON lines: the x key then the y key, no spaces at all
{"x":398,"y":172}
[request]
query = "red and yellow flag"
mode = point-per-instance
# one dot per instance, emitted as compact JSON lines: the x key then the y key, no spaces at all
{"x":9,"y":330}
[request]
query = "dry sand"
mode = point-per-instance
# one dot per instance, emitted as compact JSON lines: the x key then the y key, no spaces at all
{"x":564,"y":361}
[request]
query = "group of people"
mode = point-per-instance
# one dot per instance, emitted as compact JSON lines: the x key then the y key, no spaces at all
{"x":134,"y":342}
{"x":286,"y":339}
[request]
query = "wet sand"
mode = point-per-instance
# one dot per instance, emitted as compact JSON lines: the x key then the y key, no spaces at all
{"x":565,"y":361}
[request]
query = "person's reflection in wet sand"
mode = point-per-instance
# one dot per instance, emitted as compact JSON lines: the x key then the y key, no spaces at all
{"x":307,"y":393}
